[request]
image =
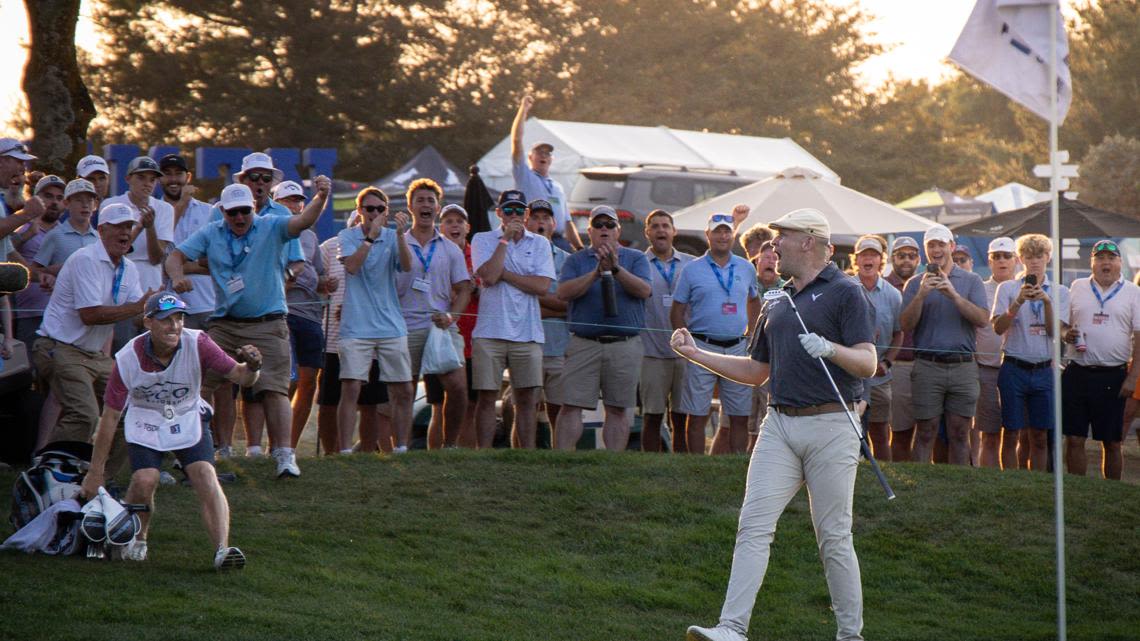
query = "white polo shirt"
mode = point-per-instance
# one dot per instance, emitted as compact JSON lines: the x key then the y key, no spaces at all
{"x":506,"y":312}
{"x":201,"y":298}
{"x":88,"y":279}
{"x":1108,"y":329}
{"x":150,"y":276}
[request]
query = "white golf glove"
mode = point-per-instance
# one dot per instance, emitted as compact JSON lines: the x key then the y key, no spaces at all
{"x":817,"y":346}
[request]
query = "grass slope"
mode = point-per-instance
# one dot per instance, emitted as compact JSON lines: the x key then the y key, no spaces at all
{"x":513,"y":545}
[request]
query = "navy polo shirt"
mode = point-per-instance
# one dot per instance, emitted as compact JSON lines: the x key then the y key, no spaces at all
{"x":832,"y":306}
{"x":587,"y":313}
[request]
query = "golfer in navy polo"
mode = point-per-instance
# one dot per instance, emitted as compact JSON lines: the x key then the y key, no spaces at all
{"x":805,"y":438}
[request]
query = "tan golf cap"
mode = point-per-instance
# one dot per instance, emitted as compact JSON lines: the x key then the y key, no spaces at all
{"x":810,"y":221}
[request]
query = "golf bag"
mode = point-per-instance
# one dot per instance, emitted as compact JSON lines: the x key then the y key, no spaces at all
{"x":56,"y":474}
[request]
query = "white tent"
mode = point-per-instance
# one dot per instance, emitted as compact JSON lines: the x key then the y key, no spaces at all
{"x":1012,"y":196}
{"x":584,"y":144}
{"x":850,"y":213}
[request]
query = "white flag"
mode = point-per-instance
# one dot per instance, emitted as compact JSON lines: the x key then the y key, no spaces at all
{"x":1005,"y":44}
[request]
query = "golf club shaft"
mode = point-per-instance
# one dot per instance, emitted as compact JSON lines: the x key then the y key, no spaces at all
{"x":850,"y":418}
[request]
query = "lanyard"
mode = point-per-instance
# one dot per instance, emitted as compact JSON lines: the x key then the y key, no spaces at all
{"x":426,"y":262}
{"x":118,"y":279}
{"x":244,"y":240}
{"x":1096,"y":292}
{"x":731,"y":272}
{"x":671,"y":273}
{"x":1038,"y":306}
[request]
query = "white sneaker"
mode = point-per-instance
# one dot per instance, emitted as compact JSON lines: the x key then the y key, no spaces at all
{"x":229,"y":558}
{"x":135,"y":550}
{"x":253,"y":450}
{"x":286,"y":463}
{"x":223,"y":452}
{"x":400,"y":449}
{"x":719,"y":633}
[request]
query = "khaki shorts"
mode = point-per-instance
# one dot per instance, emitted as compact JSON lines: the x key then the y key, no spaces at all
{"x":902,"y":412}
{"x":493,"y":355}
{"x":937,"y":388}
{"x":418,"y":338}
{"x":987,"y":415}
{"x":662,"y":380}
{"x":357,"y":354}
{"x":612,"y":368}
{"x":880,"y":403}
{"x":552,"y":368}
{"x":271,"y":338}
{"x":696,"y":398}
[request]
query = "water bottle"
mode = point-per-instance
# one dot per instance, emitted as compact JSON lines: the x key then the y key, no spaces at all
{"x":1080,"y":343}
{"x":609,"y":293}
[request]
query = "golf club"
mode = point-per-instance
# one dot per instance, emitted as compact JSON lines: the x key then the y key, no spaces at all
{"x":776,"y":294}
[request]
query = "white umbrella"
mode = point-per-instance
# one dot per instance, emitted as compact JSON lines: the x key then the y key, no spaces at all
{"x":850,"y":213}
{"x":1012,"y":196}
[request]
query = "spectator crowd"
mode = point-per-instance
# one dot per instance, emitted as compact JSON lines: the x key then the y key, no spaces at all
{"x":567,"y":324}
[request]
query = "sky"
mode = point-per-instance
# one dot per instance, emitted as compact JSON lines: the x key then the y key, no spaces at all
{"x":922,"y":33}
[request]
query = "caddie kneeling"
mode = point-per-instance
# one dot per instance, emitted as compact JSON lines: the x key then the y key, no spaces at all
{"x":157,"y":379}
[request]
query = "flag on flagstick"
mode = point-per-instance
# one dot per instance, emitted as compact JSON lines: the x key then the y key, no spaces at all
{"x":1005,"y":44}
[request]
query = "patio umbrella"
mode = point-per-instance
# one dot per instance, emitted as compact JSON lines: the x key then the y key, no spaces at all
{"x":938,"y":204}
{"x":849,"y":212}
{"x":1078,"y":220}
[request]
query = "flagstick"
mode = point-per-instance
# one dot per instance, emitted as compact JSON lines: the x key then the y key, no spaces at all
{"x":1058,"y":257}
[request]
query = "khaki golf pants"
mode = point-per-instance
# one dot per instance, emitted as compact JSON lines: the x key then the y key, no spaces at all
{"x":823,"y":452}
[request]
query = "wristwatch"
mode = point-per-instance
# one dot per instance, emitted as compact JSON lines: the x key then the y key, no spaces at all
{"x":615,"y":270}
{"x":369,"y":240}
{"x":887,"y":362}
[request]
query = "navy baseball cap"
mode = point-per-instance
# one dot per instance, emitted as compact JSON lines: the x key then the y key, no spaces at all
{"x":512,"y":197}
{"x":540,"y":204}
{"x":163,"y":304}
{"x":173,"y":160}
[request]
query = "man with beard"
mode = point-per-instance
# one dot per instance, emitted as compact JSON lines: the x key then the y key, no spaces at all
{"x":96,"y":287}
{"x":433,"y":293}
{"x":540,"y":220}
{"x":532,"y":176}
{"x":14,"y":212}
{"x":71,"y":235}
{"x":944,"y":308}
{"x":886,"y":302}
{"x":996,"y":443}
{"x":31,"y":301}
{"x":190,"y":215}
{"x":717,"y":301}
{"x":662,"y":372}
{"x":372,"y":327}
{"x":904,"y":262}
{"x":245,"y":253}
{"x":605,"y":348}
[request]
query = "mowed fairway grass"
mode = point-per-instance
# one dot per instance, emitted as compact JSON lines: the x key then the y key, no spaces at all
{"x":587,"y":546}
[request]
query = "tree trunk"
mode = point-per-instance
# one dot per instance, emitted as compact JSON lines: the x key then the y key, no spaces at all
{"x":60,"y":106}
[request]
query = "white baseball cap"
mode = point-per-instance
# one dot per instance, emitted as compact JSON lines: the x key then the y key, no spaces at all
{"x":116,"y":213}
{"x":79,"y":186}
{"x":938,"y":232}
{"x":258,"y":160}
{"x":287,"y":189}
{"x":1002,"y":244}
{"x":15,"y":149}
{"x":810,"y":221}
{"x":236,"y":195}
{"x":88,"y":165}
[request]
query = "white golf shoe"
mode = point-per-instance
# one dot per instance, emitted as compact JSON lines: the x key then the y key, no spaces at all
{"x":286,"y":463}
{"x":719,"y":633}
{"x":229,"y":558}
{"x":135,"y":550}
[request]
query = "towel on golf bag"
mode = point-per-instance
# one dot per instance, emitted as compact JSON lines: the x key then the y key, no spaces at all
{"x":43,"y":533}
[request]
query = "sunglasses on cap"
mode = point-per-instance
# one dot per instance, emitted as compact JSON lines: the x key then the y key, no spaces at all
{"x":720,"y":218}
{"x":167,"y":303}
{"x":603,"y":224}
{"x":514,"y":211}
{"x":374,"y":209}
{"x":239,"y":211}
{"x":20,"y":147}
{"x":1106,"y":246}
{"x":255,"y":177}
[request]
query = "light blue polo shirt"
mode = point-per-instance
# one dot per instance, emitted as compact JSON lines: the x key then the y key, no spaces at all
{"x":371,"y":302}
{"x":534,"y":186}
{"x":718,"y":307}
{"x":886,"y":301}
{"x":663,"y":277}
{"x":272,"y":208}
{"x":556,"y":330}
{"x":256,"y":257}
{"x":63,"y":241}
{"x":1026,"y":338}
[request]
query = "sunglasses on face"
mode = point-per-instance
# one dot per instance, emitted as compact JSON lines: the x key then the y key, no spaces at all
{"x":603,"y":224}
{"x":255,"y":177}
{"x":239,"y":211}
{"x":514,"y":211}
{"x":1001,"y":256}
{"x":907,"y":255}
{"x":374,"y":209}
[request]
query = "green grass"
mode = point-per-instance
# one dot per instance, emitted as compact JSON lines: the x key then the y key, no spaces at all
{"x":537,"y":546}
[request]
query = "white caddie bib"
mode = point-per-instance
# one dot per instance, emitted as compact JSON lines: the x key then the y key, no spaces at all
{"x":163,"y":407}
